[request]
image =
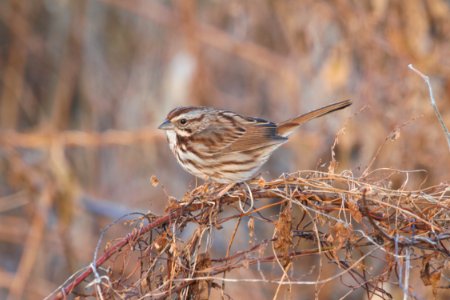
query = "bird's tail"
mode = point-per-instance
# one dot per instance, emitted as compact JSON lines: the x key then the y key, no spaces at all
{"x":287,"y":127}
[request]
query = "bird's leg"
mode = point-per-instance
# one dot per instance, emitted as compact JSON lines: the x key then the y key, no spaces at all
{"x":226,"y":189}
{"x":207,"y":183}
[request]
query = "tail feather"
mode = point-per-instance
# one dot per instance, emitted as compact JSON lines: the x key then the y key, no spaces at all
{"x":287,"y":127}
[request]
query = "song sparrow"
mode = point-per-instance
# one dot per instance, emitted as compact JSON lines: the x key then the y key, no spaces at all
{"x":226,"y":147}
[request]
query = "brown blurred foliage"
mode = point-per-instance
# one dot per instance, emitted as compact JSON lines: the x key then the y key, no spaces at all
{"x":84,"y":84}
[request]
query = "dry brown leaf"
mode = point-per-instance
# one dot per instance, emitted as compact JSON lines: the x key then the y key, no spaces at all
{"x":395,"y":134}
{"x":428,"y":277}
{"x":354,"y":211}
{"x":283,"y":235}
{"x":341,"y":233}
{"x":200,"y":289}
{"x":173,"y":204}
{"x":251,"y":228}
{"x":154,"y":181}
{"x":330,"y":238}
{"x":261,"y":182}
{"x":435,"y":278}
{"x":160,"y":242}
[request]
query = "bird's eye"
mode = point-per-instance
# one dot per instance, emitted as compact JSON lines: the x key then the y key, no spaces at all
{"x":183,"y":121}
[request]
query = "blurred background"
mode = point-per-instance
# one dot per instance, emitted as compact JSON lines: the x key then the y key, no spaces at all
{"x":84,"y":85}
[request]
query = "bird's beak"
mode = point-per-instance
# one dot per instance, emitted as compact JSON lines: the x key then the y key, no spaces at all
{"x":166,"y":125}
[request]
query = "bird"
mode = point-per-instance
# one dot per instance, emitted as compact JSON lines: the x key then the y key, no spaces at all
{"x":227,"y":147}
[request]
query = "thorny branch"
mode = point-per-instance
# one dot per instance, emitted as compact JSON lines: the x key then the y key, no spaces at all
{"x":348,"y":227}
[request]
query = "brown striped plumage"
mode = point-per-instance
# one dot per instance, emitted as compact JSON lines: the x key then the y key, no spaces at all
{"x":226,"y":147}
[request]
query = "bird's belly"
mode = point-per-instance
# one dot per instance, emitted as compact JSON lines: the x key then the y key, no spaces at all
{"x":227,"y":168}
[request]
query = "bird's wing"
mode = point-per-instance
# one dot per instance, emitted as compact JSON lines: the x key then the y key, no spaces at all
{"x":238,"y":134}
{"x":259,"y":133}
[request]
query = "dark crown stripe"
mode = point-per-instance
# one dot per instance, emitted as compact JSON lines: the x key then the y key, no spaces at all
{"x":180,"y":110}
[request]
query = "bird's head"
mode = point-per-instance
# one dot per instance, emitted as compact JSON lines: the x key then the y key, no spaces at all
{"x":186,"y":121}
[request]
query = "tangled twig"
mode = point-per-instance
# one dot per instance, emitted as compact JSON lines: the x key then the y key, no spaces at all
{"x":347,"y":226}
